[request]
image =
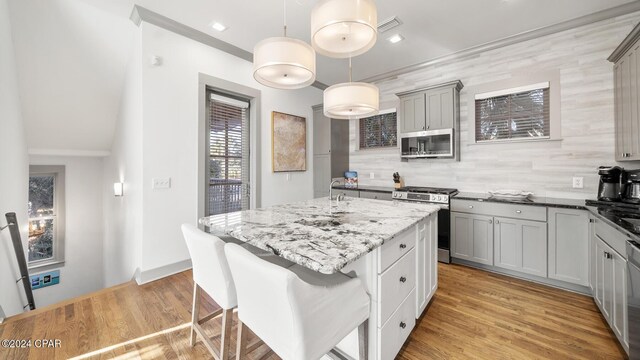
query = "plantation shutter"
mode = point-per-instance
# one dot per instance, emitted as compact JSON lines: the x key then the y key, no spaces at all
{"x":228,"y":155}
{"x":520,"y":115}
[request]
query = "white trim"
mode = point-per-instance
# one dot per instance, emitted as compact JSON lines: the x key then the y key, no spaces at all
{"x":148,"y":276}
{"x":68,"y":152}
{"x":515,"y":90}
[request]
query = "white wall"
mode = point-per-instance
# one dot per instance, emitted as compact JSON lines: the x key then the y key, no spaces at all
{"x":123,"y":215}
{"x":14,"y":168}
{"x":82,"y":271}
{"x":170,"y":143}
{"x":578,"y":58}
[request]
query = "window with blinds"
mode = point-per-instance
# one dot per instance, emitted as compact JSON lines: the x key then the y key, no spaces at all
{"x":228,"y":154}
{"x":516,"y":114}
{"x":379,"y":131}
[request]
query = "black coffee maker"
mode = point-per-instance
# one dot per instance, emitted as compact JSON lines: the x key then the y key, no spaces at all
{"x":631,"y":192}
{"x":610,"y":188}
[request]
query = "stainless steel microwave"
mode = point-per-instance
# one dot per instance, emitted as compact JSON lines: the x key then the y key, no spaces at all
{"x":428,"y":144}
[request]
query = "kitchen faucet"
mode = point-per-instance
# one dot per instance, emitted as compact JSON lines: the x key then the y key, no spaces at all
{"x":331,"y":188}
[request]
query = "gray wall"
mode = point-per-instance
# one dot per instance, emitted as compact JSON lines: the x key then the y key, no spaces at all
{"x":576,"y":59}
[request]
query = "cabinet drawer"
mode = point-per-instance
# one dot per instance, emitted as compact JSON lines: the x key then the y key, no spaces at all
{"x":612,"y":237}
{"x":375,"y":195}
{"x":514,"y":211}
{"x":395,"y":248}
{"x":349,"y":193}
{"x":395,"y":284}
{"x":397,"y":329}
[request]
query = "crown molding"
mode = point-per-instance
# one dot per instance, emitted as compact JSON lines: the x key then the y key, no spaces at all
{"x":140,"y":14}
{"x":626,"y":44}
{"x":68,"y":152}
{"x":620,"y":10}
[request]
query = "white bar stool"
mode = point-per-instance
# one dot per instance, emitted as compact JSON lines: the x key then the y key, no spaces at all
{"x":299,"y":313}
{"x":211,"y":273}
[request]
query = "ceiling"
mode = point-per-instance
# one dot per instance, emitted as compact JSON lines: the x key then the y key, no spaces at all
{"x":72,"y":54}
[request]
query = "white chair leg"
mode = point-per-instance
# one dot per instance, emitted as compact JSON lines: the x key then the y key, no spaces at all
{"x":195,"y":312}
{"x":363,"y":340}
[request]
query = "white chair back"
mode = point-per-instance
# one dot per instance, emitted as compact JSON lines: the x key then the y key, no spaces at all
{"x":210,"y":267}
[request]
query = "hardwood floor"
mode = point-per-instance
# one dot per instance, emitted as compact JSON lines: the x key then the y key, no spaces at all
{"x":474,"y":314}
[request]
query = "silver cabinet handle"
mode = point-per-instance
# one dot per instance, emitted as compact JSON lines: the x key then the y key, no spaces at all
{"x":402,"y":324}
{"x":422,"y":127}
{"x":470,"y":206}
{"x":403,"y":279}
{"x":497,"y":222}
{"x":403,"y":246}
{"x":518,"y":211}
{"x":491,"y":221}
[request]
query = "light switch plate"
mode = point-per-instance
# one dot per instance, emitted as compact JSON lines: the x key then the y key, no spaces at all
{"x":578,"y":182}
{"x":161,"y":183}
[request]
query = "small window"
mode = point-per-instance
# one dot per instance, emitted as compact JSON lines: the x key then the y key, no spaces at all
{"x":379,"y":131}
{"x":515,"y":114}
{"x":46,"y":215}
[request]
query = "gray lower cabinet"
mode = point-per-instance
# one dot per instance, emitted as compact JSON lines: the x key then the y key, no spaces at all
{"x":472,"y":237}
{"x":569,"y":245}
{"x":610,"y":281}
{"x":593,"y":240}
{"x":520,"y":245}
{"x":348,"y":193}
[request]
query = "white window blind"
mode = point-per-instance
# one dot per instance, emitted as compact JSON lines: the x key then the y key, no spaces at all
{"x":228,"y":155}
{"x":520,"y":115}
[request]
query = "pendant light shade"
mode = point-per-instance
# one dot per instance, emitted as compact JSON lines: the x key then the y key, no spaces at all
{"x":351,"y":100}
{"x":343,"y":28}
{"x":284,"y":63}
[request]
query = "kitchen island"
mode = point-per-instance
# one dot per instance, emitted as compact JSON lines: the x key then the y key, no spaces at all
{"x":391,"y":246}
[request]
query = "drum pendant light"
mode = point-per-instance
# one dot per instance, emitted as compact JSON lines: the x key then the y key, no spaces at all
{"x":344,"y":28}
{"x":351,"y":100}
{"x":283,"y":62}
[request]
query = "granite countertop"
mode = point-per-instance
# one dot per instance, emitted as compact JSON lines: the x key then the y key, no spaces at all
{"x":382,"y":189}
{"x":614,"y":218}
{"x":533,"y":200}
{"x":321,"y":235}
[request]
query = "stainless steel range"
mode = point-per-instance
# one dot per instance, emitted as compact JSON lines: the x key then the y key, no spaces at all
{"x":433,"y":196}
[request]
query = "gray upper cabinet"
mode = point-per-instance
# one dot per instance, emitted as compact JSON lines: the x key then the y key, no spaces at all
{"x":432,"y":108}
{"x":626,"y":75}
{"x":412,"y":113}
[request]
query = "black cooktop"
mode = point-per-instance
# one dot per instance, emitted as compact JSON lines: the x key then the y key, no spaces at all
{"x":428,"y":190}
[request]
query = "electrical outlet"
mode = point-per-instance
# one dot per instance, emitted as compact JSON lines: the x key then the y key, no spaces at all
{"x":161,"y":183}
{"x":372,"y":175}
{"x":578,"y":182}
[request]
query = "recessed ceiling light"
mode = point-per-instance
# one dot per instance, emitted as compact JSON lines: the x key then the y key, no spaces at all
{"x":396,"y":38}
{"x":218,"y":26}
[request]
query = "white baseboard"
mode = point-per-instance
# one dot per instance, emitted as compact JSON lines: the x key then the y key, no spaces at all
{"x":147,"y":276}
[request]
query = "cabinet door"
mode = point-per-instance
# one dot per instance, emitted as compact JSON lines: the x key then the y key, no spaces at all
{"x":619,"y":296}
{"x":569,"y":246}
{"x":439,"y":112}
{"x":599,"y":284}
{"x":634,"y":103}
{"x":604,"y":284}
{"x":521,"y":245}
{"x":619,"y":119}
{"x":426,"y":263}
{"x":592,"y":255}
{"x":413,"y":113}
{"x":625,"y":91}
{"x":472,"y":237}
{"x":321,"y":175}
{"x":321,"y":133}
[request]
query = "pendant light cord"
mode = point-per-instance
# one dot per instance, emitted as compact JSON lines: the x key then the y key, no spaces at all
{"x":285,"y":17}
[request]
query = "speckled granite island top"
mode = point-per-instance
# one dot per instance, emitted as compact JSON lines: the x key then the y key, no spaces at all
{"x":320,"y":235}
